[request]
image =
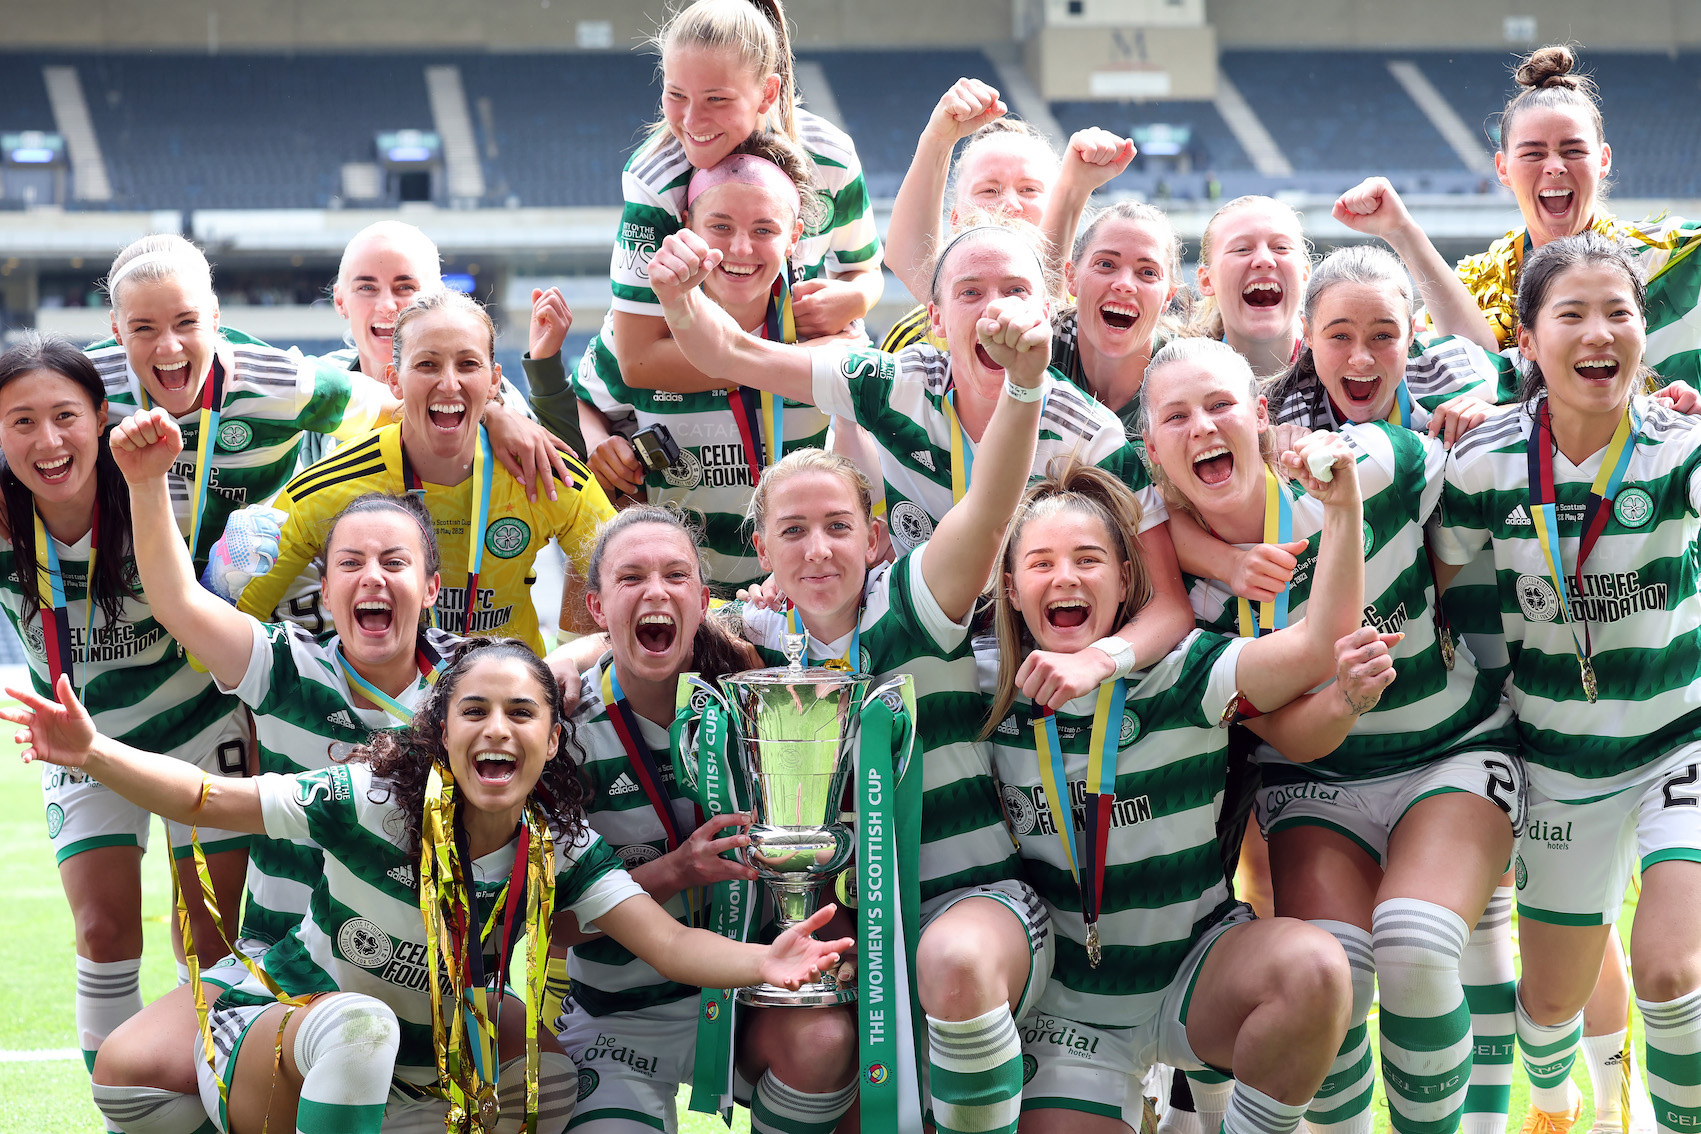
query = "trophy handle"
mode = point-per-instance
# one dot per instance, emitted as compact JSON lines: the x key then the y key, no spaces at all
{"x":899,"y":693}
{"x":691,"y":695}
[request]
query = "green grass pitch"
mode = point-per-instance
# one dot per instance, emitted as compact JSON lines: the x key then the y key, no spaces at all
{"x":37,"y":978}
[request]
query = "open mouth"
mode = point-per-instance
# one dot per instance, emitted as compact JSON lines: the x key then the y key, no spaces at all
{"x":1119,"y":316}
{"x":374,"y":615}
{"x":739,"y":271}
{"x":985,"y":359}
{"x":656,"y":633}
{"x":55,"y":471}
{"x":1214,"y":466}
{"x":1597,"y":369}
{"x":383,"y":330}
{"x":1068,"y":614}
{"x":447,"y":416}
{"x":173,"y":377}
{"x":1361,"y":391}
{"x":1263,"y":294}
{"x":1556,"y":202}
{"x":494,"y":767}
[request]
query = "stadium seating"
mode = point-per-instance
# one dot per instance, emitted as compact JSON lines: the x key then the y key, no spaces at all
{"x":25,"y":106}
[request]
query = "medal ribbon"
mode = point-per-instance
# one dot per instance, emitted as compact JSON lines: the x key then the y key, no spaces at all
{"x":1278,"y":528}
{"x":482,"y":468}
{"x":212,"y":401}
{"x":643,"y":763}
{"x":431,"y":667}
{"x":1544,"y":513}
{"x":758,"y":413}
{"x":700,"y":762}
{"x":1400,"y":413}
{"x":54,"y":609}
{"x":962,"y":457}
{"x":852,"y":661}
{"x":1086,"y":859}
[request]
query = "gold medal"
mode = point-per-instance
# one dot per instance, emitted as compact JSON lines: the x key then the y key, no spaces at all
{"x":1591,"y":689}
{"x":1447,"y":654}
{"x":1094,"y":953}
{"x":488,"y":1109}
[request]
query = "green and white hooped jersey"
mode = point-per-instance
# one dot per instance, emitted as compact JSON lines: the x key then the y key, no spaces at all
{"x":1429,"y":712}
{"x":364,"y":932}
{"x":900,"y":399}
{"x":655,"y":180}
{"x":1436,"y":371}
{"x":305,"y":719}
{"x":1638,"y":595}
{"x":270,"y":400}
{"x":711,"y":482}
{"x":608,"y":977}
{"x":132,"y":676}
{"x":964,"y":841}
{"x":1163,"y":883}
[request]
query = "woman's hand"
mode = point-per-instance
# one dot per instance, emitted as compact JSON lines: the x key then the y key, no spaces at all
{"x":1052,"y":679}
{"x":965,"y":108}
{"x":764,"y":595}
{"x":1320,"y":455}
{"x":551,"y":320}
{"x":1264,"y":570}
{"x":1680,"y":396}
{"x":1364,"y":667}
{"x":1093,"y":159}
{"x":58,"y":732}
{"x":823,"y":306}
{"x":698,"y":862}
{"x":1456,"y":416}
{"x":527,"y":450}
{"x":1372,"y":207}
{"x":1016,"y":332}
{"x":145,"y":444}
{"x":616,"y":466}
{"x":795,"y":958}
{"x":683,"y":261}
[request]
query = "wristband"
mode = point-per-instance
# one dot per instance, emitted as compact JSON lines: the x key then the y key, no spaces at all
{"x":1120,"y":653}
{"x":1023,"y":393}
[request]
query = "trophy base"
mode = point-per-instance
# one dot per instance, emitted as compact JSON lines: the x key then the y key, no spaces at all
{"x":819,"y":995}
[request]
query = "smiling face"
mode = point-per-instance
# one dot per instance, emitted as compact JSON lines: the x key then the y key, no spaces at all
{"x":498,"y":734}
{"x":50,"y":432}
{"x":1358,"y":339}
{"x":1588,"y":339}
{"x":980,"y":269}
{"x":445,"y":379}
{"x":376,"y":586}
{"x":1553,"y":160}
{"x":651,"y":599}
{"x":1122,"y":285}
{"x":1007,"y":173}
{"x":382,"y":276}
{"x":755,"y":228}
{"x":1257,"y":271}
{"x":1068,"y":579}
{"x":711,"y":102}
{"x":1204,"y":436}
{"x":818,"y":542}
{"x":169,"y":331}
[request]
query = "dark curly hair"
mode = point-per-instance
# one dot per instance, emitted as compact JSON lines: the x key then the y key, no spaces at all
{"x":402,"y":758}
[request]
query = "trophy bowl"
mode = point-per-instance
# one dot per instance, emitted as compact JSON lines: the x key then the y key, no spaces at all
{"x":797,"y":730}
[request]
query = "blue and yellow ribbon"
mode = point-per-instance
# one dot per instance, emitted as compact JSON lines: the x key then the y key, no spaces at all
{"x":1278,"y":528}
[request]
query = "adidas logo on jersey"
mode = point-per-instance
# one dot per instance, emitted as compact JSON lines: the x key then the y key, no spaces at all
{"x":622,"y":785}
{"x":1518,"y":518}
{"x":402,"y":874}
{"x":342,"y":719}
{"x":1008,"y":726}
{"x":924,"y":458}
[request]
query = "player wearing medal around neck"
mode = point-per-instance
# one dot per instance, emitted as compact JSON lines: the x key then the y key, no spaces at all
{"x":472,"y":815}
{"x":648,"y":590}
{"x":1395,"y":840}
{"x":983,"y":954}
{"x":928,"y":410}
{"x":1589,"y":500}
{"x":255,"y":402}
{"x":753,"y":206}
{"x":1113,"y":802}
{"x":726,"y":70}
{"x":488,"y":526}
{"x":310,"y":701}
{"x":68,"y":584}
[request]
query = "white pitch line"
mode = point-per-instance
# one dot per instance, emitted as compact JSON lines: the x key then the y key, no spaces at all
{"x":40,"y":1055}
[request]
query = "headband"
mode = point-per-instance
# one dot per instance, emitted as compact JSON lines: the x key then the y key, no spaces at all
{"x":745,"y":169}
{"x":156,"y":257}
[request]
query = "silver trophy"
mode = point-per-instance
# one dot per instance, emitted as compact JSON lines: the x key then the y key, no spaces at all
{"x":797,"y":729}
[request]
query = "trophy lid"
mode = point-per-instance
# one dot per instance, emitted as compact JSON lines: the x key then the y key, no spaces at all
{"x":795,"y":675}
